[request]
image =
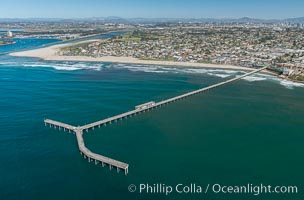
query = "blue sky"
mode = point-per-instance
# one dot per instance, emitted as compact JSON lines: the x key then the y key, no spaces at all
{"x":277,"y":9}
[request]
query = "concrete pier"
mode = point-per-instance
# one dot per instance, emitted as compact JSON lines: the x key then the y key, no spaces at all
{"x":98,"y":158}
{"x":87,"y":154}
{"x":138,"y":109}
{"x":141,"y":109}
{"x":55,"y":124}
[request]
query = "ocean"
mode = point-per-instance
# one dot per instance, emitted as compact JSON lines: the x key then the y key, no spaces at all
{"x":247,"y":132}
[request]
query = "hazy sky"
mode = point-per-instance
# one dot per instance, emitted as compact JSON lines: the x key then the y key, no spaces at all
{"x":152,"y":8}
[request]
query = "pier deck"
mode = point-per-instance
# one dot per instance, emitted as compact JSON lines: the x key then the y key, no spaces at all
{"x":114,"y":163}
{"x":98,"y":158}
{"x":137,"y":111}
{"x":59,"y":125}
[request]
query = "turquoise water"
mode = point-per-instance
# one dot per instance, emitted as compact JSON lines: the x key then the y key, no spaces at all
{"x":248,"y":132}
{"x":32,"y":43}
{"x":24,"y":43}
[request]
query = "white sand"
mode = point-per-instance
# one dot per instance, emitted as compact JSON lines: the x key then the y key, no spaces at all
{"x":51,"y":53}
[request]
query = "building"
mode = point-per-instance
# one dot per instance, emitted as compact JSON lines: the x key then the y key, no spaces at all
{"x":145,"y":105}
{"x":287,"y":71}
{"x":9,"y":34}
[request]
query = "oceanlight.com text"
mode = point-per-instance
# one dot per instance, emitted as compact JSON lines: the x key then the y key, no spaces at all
{"x":194,"y":188}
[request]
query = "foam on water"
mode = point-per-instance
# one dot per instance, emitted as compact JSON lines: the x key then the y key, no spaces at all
{"x":70,"y":66}
{"x":58,"y":66}
{"x":254,"y":78}
{"x":222,"y":73}
{"x":219,"y":75}
{"x":161,"y":69}
{"x":286,"y":83}
{"x":290,"y":84}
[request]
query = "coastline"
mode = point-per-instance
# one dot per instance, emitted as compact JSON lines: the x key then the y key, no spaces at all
{"x":51,"y":54}
{"x":8,"y":43}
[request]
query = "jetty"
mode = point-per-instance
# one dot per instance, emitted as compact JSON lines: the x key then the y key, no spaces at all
{"x":100,"y":159}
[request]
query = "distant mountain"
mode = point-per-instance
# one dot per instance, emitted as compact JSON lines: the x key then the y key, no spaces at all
{"x":30,"y":19}
{"x":115,"y":19}
{"x":215,"y":20}
{"x":296,"y":20}
{"x":110,"y":19}
{"x":248,"y":19}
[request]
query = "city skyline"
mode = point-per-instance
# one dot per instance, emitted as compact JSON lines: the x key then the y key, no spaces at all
{"x":270,"y":9}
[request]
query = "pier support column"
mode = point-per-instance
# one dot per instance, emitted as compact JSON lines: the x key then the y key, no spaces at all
{"x":126,"y":171}
{"x":118,"y":169}
{"x":110,"y":167}
{"x":102,"y":164}
{"x":95,"y":162}
{"x":87,"y":130}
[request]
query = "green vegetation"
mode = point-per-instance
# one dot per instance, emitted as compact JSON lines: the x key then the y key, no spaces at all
{"x":75,"y":49}
{"x":278,"y":70}
{"x":297,"y":78}
{"x":130,"y":39}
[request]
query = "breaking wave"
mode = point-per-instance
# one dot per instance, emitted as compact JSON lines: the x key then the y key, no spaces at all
{"x":178,"y":70}
{"x":57,"y":66}
{"x":254,"y":78}
{"x":290,"y":84}
{"x":221,"y":73}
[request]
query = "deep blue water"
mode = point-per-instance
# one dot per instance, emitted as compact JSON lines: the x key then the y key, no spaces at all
{"x":248,"y":132}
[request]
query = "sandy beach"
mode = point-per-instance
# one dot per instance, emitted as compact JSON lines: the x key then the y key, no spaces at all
{"x":52,"y":53}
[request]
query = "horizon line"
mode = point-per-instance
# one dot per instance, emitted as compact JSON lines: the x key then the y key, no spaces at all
{"x":217,"y":18}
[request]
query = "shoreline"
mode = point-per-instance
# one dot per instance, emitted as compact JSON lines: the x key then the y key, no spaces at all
{"x":288,"y":79}
{"x":8,"y":43}
{"x":51,"y":54}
